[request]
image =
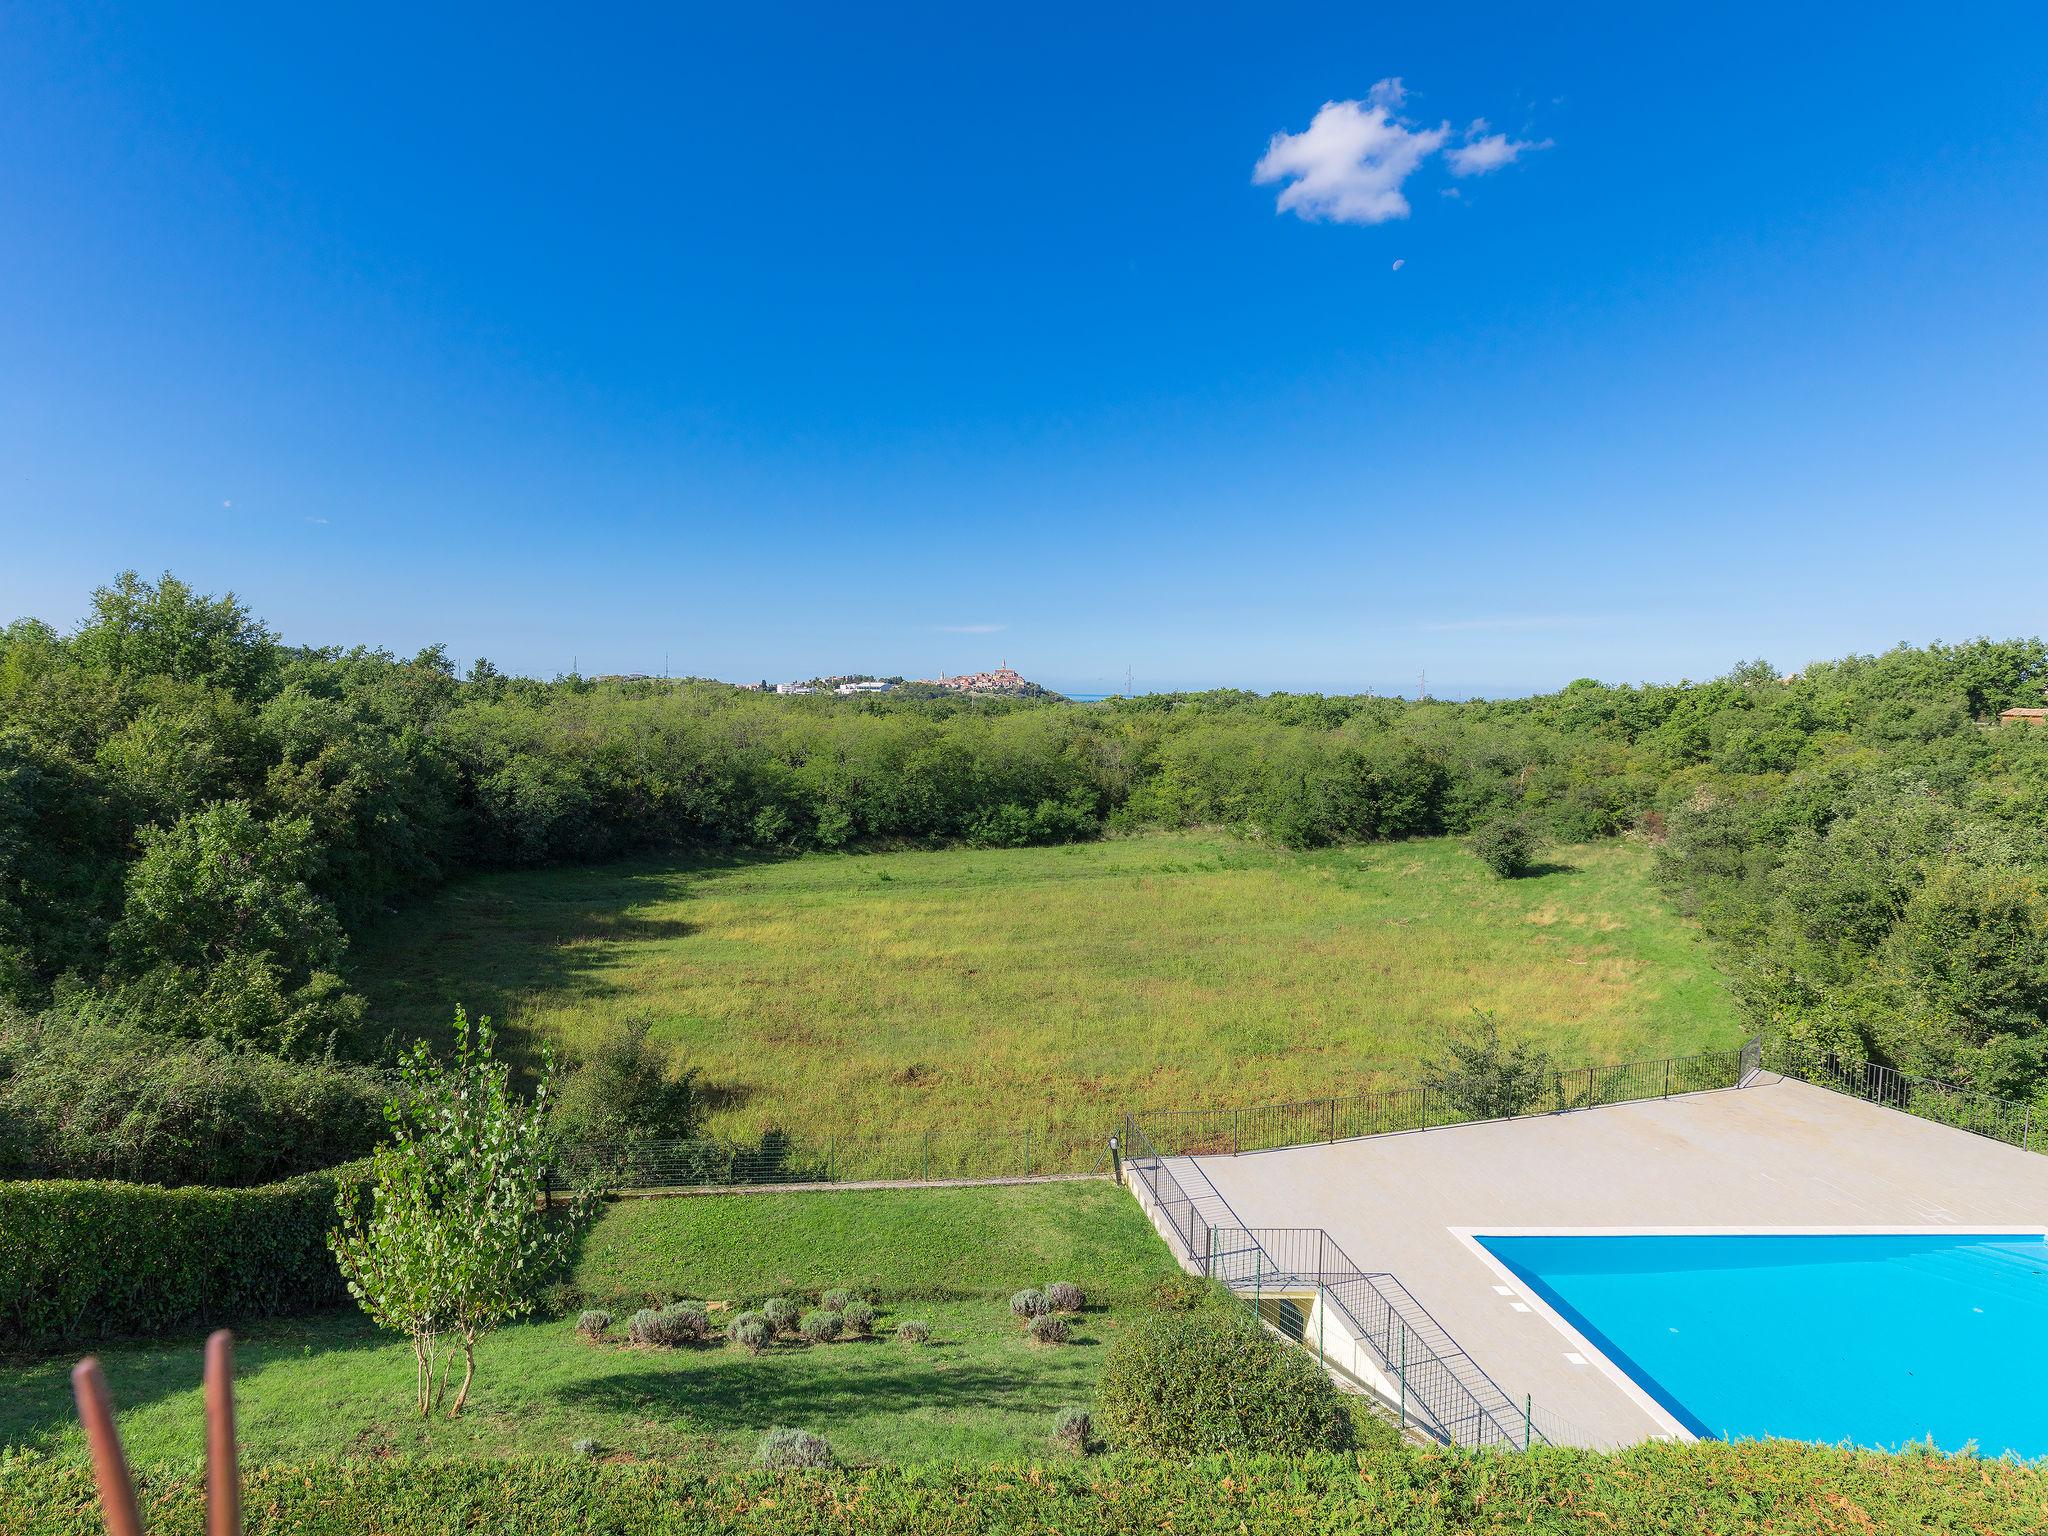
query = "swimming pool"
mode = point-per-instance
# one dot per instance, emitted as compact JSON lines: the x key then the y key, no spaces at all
{"x":1876,"y":1338}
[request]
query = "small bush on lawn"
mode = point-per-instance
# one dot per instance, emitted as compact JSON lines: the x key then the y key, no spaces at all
{"x":586,"y":1447}
{"x":915,"y":1331}
{"x":1047,"y":1328}
{"x":751,"y":1332}
{"x":860,"y":1319}
{"x":1071,"y":1431}
{"x":1186,"y":1383}
{"x":838,"y":1300}
{"x":782,"y":1313}
{"x":593,"y":1325}
{"x":669,"y":1327}
{"x":689,"y":1319}
{"x":1507,"y":845}
{"x":823,"y":1327}
{"x":1065,"y":1296}
{"x":1028,"y":1304}
{"x":787,"y":1450}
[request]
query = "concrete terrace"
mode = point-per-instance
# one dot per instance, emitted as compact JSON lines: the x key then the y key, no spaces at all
{"x":1775,"y":1154}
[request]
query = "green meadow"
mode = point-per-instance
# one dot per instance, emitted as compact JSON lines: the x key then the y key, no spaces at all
{"x":334,"y":1385}
{"x":944,"y":991}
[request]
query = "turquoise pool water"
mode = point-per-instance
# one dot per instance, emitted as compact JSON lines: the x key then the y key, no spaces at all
{"x":1875,"y":1340}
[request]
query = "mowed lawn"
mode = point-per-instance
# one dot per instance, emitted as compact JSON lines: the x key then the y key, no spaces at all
{"x":889,"y":993}
{"x":980,"y":1391}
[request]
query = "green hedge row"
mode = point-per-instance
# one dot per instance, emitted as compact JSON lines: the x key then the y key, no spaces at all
{"x":1707,"y":1489}
{"x":85,"y":1260}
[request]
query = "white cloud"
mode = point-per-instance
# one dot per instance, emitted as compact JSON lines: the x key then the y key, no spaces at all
{"x":1353,"y":159}
{"x":1350,"y":162}
{"x":970,"y":629}
{"x":1482,"y":151}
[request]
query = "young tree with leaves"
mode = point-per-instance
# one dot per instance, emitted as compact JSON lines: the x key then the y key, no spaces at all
{"x":455,"y":1238}
{"x":1485,"y":1077}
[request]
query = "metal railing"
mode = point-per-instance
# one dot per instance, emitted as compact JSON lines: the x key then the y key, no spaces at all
{"x":1438,"y":1387}
{"x":1263,"y":1127}
{"x":781,"y":1158}
{"x":1982,"y":1114}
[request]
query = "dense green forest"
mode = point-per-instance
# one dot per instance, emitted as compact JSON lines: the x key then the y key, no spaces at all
{"x":195,"y":816}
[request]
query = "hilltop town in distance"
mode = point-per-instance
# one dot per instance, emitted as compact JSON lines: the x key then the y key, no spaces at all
{"x":1004,"y":682}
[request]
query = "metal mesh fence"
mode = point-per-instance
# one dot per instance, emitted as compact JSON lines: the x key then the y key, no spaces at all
{"x":784,"y":1158}
{"x":1262,"y":1127}
{"x":1983,"y":1114}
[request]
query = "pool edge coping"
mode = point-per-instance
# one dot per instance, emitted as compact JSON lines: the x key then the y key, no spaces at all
{"x":1631,"y":1388}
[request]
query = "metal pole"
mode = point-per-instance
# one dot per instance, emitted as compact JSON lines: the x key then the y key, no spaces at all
{"x":1233,"y":1133}
{"x":1333,"y":1119}
{"x":1116,"y":1160}
{"x":1667,"y":1077}
{"x":1403,"y":1375}
{"x":1528,"y":1412}
{"x":1209,"y":1263}
{"x":1258,"y":1278}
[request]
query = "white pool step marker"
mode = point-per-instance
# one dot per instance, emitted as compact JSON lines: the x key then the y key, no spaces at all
{"x":1519,"y":1306}
{"x":1503,"y":1290}
{"x":1573,"y":1357}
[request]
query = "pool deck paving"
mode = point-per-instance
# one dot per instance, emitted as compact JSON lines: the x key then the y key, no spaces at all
{"x":1776,"y":1155}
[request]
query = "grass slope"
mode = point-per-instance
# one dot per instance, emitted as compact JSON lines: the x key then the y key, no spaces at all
{"x":931,"y":991}
{"x":334,"y":1386}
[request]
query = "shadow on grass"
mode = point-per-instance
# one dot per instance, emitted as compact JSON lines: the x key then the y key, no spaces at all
{"x":779,"y":1390}
{"x":36,"y":1405}
{"x":487,"y":940}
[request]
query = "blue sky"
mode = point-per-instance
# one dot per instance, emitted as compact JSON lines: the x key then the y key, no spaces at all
{"x":765,"y":341}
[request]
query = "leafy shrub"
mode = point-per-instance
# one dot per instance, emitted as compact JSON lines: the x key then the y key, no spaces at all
{"x":1181,"y":1384}
{"x":1507,"y":845}
{"x":838,"y":1300}
{"x":789,"y":1450}
{"x":90,"y":1260}
{"x":1047,"y":1328}
{"x":1065,"y":1296}
{"x":103,"y":1101}
{"x":1486,"y":1078}
{"x":669,"y":1327}
{"x":1072,"y":1431}
{"x":1178,"y":1293}
{"x":587,"y":1448}
{"x":782,"y":1313}
{"x":626,"y":1089}
{"x":594,"y":1324}
{"x":823,"y":1327}
{"x":1028,"y":1304}
{"x":860,"y":1319}
{"x":689,"y":1319}
{"x":914,"y":1331}
{"x":751,"y":1332}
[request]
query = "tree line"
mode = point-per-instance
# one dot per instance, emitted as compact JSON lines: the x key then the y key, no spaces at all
{"x":195,"y":816}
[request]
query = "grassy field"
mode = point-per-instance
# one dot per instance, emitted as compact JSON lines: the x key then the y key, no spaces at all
{"x":1056,"y":987}
{"x":335,"y":1386}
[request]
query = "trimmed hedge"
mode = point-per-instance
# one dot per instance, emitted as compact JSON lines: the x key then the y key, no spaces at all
{"x":83,"y":1261}
{"x":1703,"y":1489}
{"x":1213,"y":1379}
